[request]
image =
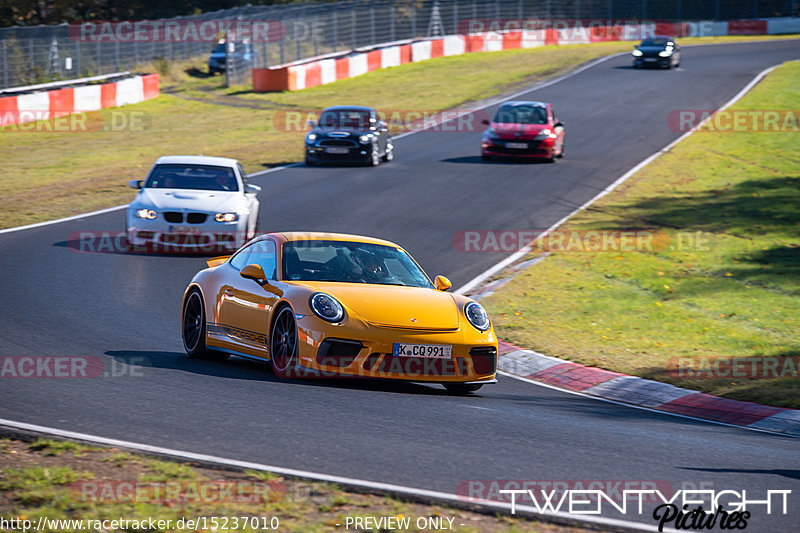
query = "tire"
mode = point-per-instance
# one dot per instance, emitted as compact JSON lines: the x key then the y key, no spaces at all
{"x":389,"y":155}
{"x":283,"y":344}
{"x":193,"y":328}
{"x":310,"y":163}
{"x":461,"y":388}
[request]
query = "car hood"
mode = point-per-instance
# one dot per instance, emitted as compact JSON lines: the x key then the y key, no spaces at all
{"x":178,"y":199}
{"x":393,"y":306}
{"x":651,"y":49}
{"x":517,"y":131}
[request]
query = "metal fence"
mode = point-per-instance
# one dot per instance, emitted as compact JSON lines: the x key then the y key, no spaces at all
{"x":40,"y":54}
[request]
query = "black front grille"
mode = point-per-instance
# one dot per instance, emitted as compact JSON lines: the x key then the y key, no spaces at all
{"x":533,"y":148}
{"x":484,"y":359}
{"x":196,"y":218}
{"x":337,"y":142}
{"x":338,"y":352}
{"x":173,"y":217}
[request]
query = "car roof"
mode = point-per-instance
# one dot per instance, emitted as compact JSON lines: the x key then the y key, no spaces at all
{"x":659,"y":38}
{"x":348,"y":108}
{"x":196,"y":160}
{"x":525,"y":102}
{"x":318,"y":235}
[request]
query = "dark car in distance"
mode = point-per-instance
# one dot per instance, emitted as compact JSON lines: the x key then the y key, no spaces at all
{"x":348,"y":134}
{"x":658,"y":51}
{"x":243,"y":52}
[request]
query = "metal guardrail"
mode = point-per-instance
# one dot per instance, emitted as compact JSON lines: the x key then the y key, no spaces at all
{"x":33,"y":55}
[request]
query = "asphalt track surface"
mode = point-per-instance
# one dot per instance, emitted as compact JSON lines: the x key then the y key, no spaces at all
{"x":125,"y":308}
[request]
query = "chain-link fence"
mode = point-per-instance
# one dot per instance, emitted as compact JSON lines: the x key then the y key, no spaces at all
{"x":40,"y":54}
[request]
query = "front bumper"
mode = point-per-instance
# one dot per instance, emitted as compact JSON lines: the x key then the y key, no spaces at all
{"x":368,"y":353}
{"x":158,"y":235}
{"x":536,"y":149}
{"x":356,"y":153}
{"x":644,"y":62}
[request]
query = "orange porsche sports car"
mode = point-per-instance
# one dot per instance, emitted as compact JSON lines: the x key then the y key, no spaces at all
{"x":333,"y":305}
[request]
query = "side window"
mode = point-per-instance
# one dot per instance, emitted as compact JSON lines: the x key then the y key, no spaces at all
{"x":263,"y":254}
{"x":239,"y":260}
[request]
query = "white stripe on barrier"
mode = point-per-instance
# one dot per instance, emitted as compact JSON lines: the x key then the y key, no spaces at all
{"x":358,"y":65}
{"x":390,"y":57}
{"x":420,"y":51}
{"x":715,"y":29}
{"x":33,"y":107}
{"x":87,"y":98}
{"x":454,"y":45}
{"x":300,"y":75}
{"x":532,"y":41}
{"x":492,"y":41}
{"x":130,"y":91}
{"x":327,"y":71}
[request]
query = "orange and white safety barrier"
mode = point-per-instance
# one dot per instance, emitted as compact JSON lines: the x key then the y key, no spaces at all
{"x":44,"y":105}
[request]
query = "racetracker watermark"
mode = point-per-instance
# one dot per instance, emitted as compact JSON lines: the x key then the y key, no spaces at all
{"x":178,"y":492}
{"x":493,"y":241}
{"x":766,"y":367}
{"x":56,"y":121}
{"x":70,"y":366}
{"x":582,"y":29}
{"x":175,"y":31}
{"x":735,"y":120}
{"x":178,"y":240}
{"x":397,"y":120}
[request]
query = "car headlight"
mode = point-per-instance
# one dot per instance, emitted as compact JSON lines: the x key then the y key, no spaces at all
{"x":364,"y":139}
{"x":544,"y":134}
{"x":311,"y":137}
{"x":149,"y":214}
{"x":665,"y":53}
{"x":477,"y":316}
{"x":326,"y":307}
{"x":637,"y":53}
{"x":226,"y":217}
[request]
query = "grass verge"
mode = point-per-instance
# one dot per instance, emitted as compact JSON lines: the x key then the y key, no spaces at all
{"x":75,"y":482}
{"x":49,"y":174}
{"x":727,"y":284}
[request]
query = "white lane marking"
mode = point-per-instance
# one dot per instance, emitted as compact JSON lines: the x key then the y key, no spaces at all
{"x":60,"y":220}
{"x":428,"y":495}
{"x":643,"y":408}
{"x":491,"y":271}
{"x":300,"y":163}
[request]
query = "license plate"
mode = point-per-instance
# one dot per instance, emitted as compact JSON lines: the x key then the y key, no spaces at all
{"x":650,"y":59}
{"x":517,"y":146}
{"x":443,"y":351}
{"x":183,"y":229}
{"x":337,"y":150}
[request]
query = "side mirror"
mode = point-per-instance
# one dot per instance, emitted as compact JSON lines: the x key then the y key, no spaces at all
{"x":254,"y":272}
{"x":485,"y":122}
{"x":251,"y":189}
{"x":311,"y":123}
{"x":442,"y":283}
{"x":135,"y":184}
{"x":558,"y":125}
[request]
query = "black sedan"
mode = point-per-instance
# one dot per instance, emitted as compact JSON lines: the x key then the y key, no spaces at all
{"x":659,"y":51}
{"x":348,"y":134}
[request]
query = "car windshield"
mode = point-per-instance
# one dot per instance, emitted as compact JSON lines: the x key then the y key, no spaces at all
{"x":351,"y":262}
{"x":220,"y":49}
{"x":521,"y":114}
{"x":346,"y":119}
{"x":654,"y":42}
{"x":202,"y":177}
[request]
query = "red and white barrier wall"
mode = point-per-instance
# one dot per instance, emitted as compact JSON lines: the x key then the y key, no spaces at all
{"x":43,"y":105}
{"x":319,"y":71}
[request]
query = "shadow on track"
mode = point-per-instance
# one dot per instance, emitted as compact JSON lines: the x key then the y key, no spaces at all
{"x":239,"y":368}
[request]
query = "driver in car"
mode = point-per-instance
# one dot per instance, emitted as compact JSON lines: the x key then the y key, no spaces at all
{"x":372,"y":268}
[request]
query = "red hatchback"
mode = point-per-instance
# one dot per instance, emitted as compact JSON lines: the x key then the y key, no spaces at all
{"x":527,"y":130}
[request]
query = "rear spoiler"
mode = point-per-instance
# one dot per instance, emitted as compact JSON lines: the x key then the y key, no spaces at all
{"x":216,"y":261}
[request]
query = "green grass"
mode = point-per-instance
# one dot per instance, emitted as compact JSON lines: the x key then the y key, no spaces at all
{"x":57,"y":447}
{"x":736,"y":295}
